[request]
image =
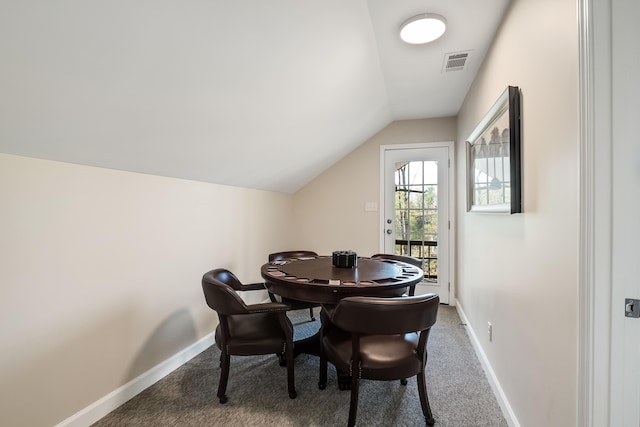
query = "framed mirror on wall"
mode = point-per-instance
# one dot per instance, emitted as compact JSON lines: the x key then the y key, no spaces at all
{"x":494,"y":175}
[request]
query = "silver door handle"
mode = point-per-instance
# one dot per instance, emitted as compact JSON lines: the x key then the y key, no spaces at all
{"x":628,"y":307}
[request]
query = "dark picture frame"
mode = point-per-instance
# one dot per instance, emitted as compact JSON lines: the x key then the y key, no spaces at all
{"x":494,"y":170}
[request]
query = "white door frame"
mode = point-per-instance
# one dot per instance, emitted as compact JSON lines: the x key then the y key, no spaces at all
{"x":594,"y":265}
{"x":452,"y":235}
{"x":600,"y":386}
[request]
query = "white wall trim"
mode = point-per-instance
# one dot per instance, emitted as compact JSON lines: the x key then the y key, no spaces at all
{"x":585,"y":274}
{"x":594,"y":275}
{"x":111,"y":401}
{"x":507,"y":411}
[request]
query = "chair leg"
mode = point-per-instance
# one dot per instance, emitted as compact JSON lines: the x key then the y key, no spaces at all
{"x":424,"y":400}
{"x":313,"y":318}
{"x":282,"y":359}
{"x":225,"y":361}
{"x":291,"y":383}
{"x":353,"y":405}
{"x":322,"y":381}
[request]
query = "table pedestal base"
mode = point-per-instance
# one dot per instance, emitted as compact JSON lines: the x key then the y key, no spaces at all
{"x":309,"y":345}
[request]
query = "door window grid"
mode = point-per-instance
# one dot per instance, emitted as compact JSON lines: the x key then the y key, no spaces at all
{"x":416,"y":206}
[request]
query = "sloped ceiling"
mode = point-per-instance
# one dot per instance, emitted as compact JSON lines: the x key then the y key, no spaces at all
{"x":252,"y":93}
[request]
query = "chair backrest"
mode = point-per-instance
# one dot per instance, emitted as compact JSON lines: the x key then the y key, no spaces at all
{"x":225,"y":276}
{"x":386,"y":316}
{"x":218,"y":286}
{"x":278,"y":256}
{"x":403,"y":258}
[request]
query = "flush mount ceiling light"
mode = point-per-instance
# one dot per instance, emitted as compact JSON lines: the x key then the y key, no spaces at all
{"x":423,"y":28}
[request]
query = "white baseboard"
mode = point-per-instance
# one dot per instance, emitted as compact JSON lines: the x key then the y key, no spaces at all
{"x":111,"y":401}
{"x":507,"y":411}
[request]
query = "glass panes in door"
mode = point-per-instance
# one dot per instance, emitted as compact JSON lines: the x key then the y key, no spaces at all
{"x":416,"y":213}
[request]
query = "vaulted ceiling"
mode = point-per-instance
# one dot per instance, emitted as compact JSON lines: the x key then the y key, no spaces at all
{"x":252,"y":93}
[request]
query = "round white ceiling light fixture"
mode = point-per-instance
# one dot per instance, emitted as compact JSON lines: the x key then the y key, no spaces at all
{"x":423,"y":28}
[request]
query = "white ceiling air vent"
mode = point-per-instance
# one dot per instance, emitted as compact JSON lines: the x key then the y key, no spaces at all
{"x":455,"y":61}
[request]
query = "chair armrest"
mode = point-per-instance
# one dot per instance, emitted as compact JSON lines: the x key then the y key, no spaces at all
{"x":254,"y":287}
{"x":268,"y":307}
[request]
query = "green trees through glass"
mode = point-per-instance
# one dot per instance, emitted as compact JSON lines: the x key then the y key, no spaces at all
{"x":416,"y":206}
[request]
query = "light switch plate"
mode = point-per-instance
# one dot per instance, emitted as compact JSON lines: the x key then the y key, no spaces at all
{"x":370,"y":206}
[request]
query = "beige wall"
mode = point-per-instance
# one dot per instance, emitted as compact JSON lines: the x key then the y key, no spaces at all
{"x":100,"y":275}
{"x":519,"y":272}
{"x":329,"y":212}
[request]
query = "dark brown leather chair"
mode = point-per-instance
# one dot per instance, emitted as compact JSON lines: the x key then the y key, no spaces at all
{"x":380,"y":339}
{"x":246,"y":330}
{"x":295,"y":305}
{"x":417,"y":262}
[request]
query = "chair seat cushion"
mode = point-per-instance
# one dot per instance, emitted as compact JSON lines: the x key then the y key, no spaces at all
{"x":257,"y":333}
{"x":383,"y":357}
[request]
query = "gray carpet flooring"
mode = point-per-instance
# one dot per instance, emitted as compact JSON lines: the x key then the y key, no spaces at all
{"x":458,"y":389}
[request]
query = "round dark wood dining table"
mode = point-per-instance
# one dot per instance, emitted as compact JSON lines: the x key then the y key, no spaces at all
{"x":315,"y":279}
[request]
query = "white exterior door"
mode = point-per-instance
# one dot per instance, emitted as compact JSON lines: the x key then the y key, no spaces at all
{"x":417,"y":204}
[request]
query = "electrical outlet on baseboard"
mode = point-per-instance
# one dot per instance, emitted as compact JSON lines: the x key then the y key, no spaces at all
{"x":490,"y":331}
